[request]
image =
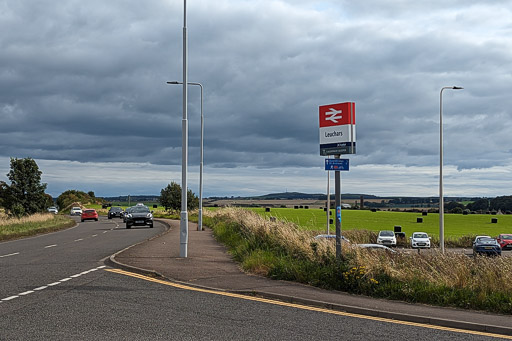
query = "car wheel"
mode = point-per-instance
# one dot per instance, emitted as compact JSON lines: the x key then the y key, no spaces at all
{"x":109,"y":217}
{"x":151,"y":226}
{"x":128,"y":226}
{"x":96,"y":219}
{"x":82,"y":220}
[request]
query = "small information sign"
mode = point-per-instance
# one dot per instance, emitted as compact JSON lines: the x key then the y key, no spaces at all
{"x":336,"y":164}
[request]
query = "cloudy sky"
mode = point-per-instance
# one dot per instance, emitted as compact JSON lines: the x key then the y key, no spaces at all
{"x":83,"y":91}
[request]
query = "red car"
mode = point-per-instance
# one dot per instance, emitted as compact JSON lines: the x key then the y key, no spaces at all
{"x":89,"y":215}
{"x":505,"y":241}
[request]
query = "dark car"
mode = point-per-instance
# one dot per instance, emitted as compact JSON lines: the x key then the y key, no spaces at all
{"x":125,"y":213}
{"x":486,"y":246}
{"x":505,"y":241}
{"x":114,"y":212}
{"x":139,"y":216}
{"x":89,"y":214}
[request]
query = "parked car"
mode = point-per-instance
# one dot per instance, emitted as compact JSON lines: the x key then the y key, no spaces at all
{"x":331,"y":236}
{"x":75,"y":211}
{"x":139,"y":216}
{"x":378,"y":247}
{"x":53,"y":210}
{"x":386,"y":237}
{"x":420,"y":240}
{"x":114,"y":212}
{"x":505,"y":241}
{"x":485,"y":245}
{"x":89,"y":214}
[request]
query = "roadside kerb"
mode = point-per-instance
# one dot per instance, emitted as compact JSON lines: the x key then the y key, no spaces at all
{"x":111,"y":261}
{"x":313,"y":303}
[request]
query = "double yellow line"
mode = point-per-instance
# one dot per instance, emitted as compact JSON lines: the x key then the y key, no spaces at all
{"x":304,"y":307}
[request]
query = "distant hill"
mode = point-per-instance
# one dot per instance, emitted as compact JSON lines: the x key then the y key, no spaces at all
{"x":133,"y":198}
{"x":298,"y":196}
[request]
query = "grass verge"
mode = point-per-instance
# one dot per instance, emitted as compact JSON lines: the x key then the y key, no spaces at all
{"x":32,"y":225}
{"x":281,"y":250}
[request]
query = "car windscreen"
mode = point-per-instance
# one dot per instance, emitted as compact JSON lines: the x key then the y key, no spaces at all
{"x":89,"y":211}
{"x":420,"y":235}
{"x":507,"y":236}
{"x":140,"y":210}
{"x":116,"y":209}
{"x":386,"y":233}
{"x":486,"y":241}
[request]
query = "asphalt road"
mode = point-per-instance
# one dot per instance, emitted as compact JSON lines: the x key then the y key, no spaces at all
{"x":56,"y":287}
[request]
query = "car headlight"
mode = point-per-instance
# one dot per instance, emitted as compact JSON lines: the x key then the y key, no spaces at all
{"x":149,"y":215}
{"x":129,"y":216}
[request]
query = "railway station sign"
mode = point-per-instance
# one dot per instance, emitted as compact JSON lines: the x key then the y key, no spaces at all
{"x":337,"y":128}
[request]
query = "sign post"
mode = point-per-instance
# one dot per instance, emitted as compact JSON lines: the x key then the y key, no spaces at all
{"x":337,"y":136}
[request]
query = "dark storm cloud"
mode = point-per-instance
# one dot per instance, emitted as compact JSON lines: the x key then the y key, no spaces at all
{"x":85,"y":81}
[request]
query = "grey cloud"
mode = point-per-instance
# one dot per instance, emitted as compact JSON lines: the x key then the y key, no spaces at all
{"x":85,"y":81}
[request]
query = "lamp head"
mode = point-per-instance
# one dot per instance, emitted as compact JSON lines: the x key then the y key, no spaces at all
{"x":174,"y":82}
{"x":457,"y":88}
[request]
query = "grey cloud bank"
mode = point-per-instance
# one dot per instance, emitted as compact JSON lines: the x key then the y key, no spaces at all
{"x":82,"y":91}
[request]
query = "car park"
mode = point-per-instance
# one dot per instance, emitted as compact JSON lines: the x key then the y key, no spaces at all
{"x":331,"y":237}
{"x":378,"y":247}
{"x":139,"y":216}
{"x":505,"y":241}
{"x":387,"y":238}
{"x":89,"y":214}
{"x":53,"y":210}
{"x":114,"y":211}
{"x":75,"y":211}
{"x":485,"y":245}
{"x":420,"y":240}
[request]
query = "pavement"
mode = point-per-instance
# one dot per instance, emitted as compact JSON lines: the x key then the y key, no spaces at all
{"x":209,"y":265}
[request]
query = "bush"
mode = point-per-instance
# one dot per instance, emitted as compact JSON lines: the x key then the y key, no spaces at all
{"x":280,"y":250}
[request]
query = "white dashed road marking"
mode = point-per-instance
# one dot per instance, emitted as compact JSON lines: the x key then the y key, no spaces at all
{"x":77,"y":240}
{"x":51,"y":284}
{"x":49,"y":246}
{"x":10,"y":254}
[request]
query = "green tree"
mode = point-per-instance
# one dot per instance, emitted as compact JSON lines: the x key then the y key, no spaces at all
{"x":25,"y":195}
{"x":479,"y":205}
{"x":70,"y":196}
{"x":170,"y":198}
{"x":503,"y":203}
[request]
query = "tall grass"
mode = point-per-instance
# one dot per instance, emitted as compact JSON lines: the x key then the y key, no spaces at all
{"x":12,"y":228}
{"x":282,"y":250}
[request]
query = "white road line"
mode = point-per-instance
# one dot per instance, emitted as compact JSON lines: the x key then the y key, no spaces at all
{"x":10,"y":254}
{"x":94,"y":235}
{"x":105,"y":231}
{"x":77,"y":240}
{"x":49,"y":246}
{"x":9,"y":298}
{"x":51,"y":284}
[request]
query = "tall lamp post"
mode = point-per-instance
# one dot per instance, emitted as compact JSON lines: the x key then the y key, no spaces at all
{"x":200,"y":217}
{"x":441,"y":198}
{"x":184,"y":144}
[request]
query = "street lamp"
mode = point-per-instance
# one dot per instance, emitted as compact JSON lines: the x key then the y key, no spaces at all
{"x":441,"y":199}
{"x":184,"y":144}
{"x":200,"y":217}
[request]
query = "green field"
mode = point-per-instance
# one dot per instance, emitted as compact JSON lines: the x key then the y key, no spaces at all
{"x":456,"y":225}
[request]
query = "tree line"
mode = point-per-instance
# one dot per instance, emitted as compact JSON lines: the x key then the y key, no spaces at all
{"x":25,"y":195}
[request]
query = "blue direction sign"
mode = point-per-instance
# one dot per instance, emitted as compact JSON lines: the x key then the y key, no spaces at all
{"x":336,"y":164}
